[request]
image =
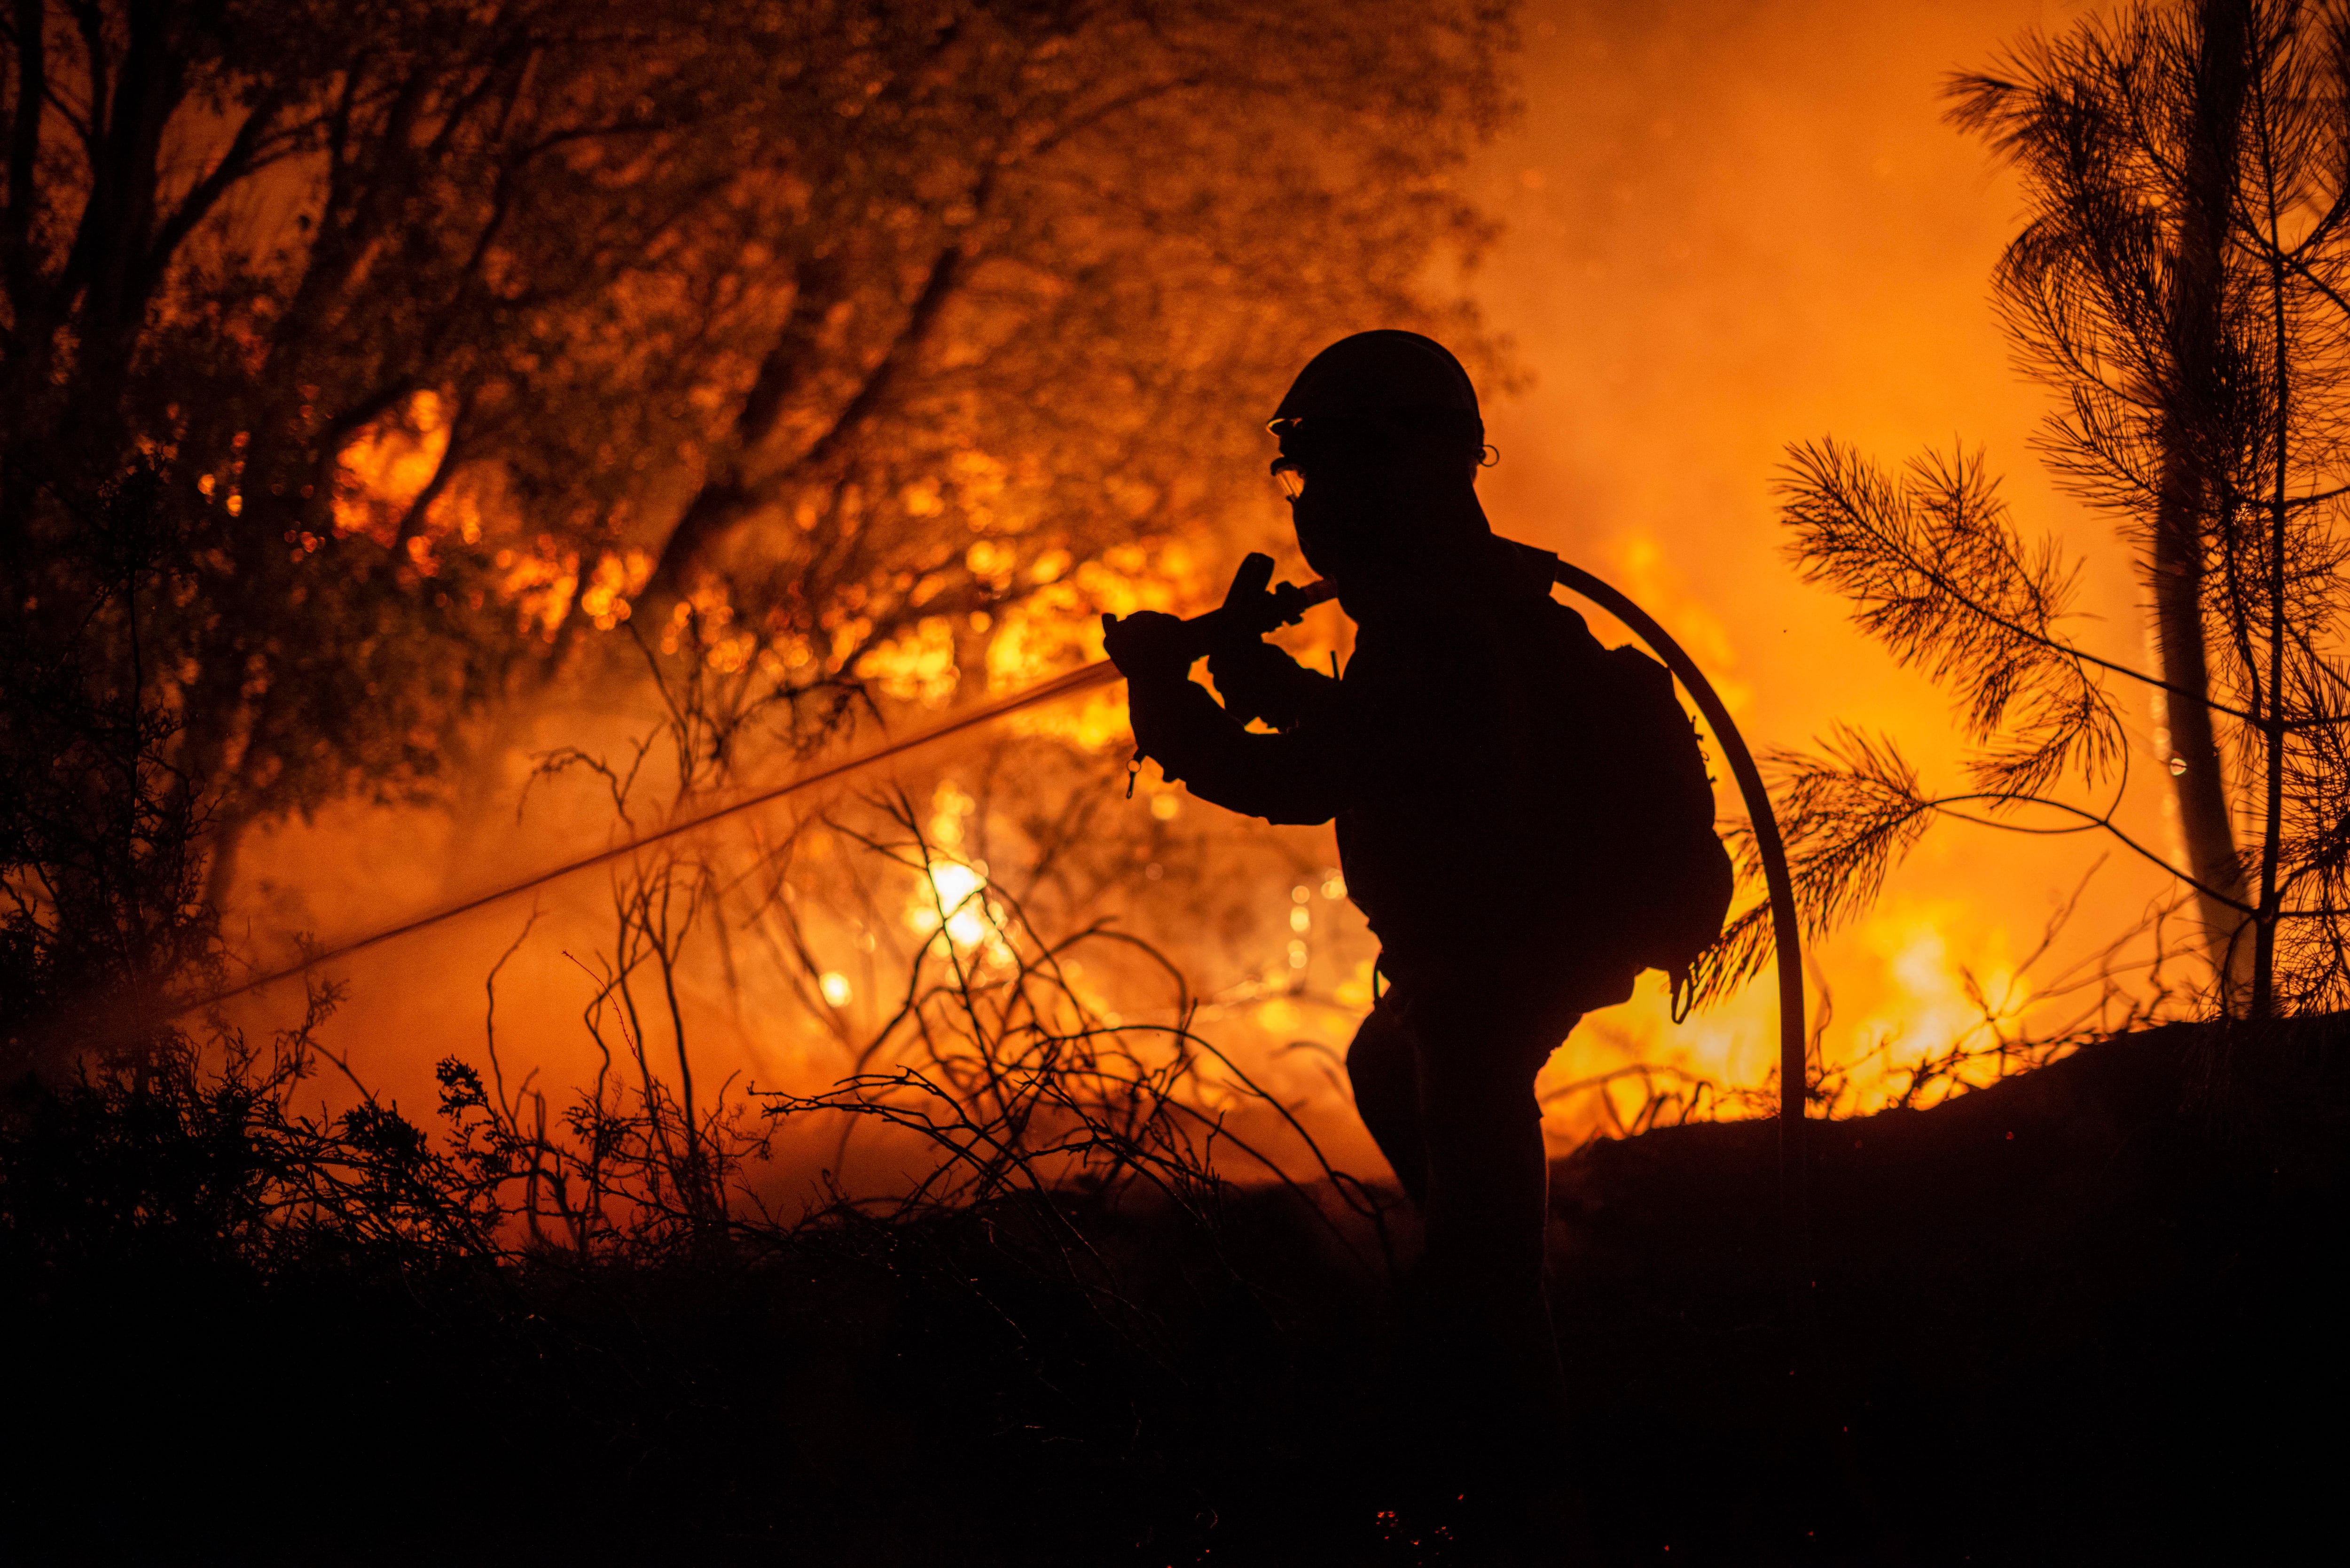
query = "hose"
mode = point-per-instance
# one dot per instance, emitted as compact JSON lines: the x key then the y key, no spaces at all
{"x":1787,"y":935}
{"x":1101,"y":672}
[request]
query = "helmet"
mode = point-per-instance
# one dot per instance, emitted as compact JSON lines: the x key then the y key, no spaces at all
{"x":1401,"y":381}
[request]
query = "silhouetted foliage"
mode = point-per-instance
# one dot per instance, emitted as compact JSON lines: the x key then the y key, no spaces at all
{"x":100,"y":858}
{"x":447,"y":330}
{"x":2177,"y":284}
{"x":197,"y":1150}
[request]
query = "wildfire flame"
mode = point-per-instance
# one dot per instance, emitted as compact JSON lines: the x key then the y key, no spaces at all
{"x":1695,"y":341}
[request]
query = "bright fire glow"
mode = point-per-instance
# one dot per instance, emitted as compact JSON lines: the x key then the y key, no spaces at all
{"x":953,"y":888}
{"x":389,"y":466}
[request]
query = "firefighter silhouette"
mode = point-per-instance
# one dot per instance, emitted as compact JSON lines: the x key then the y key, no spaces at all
{"x":1461,"y":756}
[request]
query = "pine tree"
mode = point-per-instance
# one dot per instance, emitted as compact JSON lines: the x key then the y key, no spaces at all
{"x":2179,"y":282}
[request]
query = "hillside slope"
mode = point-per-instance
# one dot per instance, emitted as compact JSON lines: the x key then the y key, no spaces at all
{"x":2096,"y":1312}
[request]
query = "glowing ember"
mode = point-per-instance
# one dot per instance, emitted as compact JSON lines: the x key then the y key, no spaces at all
{"x":954,"y":889}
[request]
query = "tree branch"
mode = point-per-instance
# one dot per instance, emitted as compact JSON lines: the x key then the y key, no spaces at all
{"x":23,"y":157}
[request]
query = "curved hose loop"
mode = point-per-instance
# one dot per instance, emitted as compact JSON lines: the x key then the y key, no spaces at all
{"x":1786,"y":937}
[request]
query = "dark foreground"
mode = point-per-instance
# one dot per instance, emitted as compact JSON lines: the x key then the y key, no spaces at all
{"x":2095,"y":1314}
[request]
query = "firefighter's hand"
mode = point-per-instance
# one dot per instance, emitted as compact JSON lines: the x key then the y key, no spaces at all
{"x":1259,"y":681}
{"x":1147,"y":646}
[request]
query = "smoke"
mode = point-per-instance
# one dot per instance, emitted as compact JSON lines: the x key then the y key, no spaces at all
{"x":1730,"y":226}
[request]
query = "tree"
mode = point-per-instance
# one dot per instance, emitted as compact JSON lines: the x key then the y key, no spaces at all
{"x":2178,"y":281}
{"x":837,"y":330}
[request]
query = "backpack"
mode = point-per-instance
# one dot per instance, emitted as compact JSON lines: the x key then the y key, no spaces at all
{"x":1672,"y":875}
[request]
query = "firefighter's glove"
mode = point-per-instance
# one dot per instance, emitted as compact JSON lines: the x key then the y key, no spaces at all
{"x":1147,"y":646}
{"x":1258,"y":680}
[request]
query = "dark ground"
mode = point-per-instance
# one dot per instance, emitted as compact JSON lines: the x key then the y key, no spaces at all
{"x":2093,"y":1314}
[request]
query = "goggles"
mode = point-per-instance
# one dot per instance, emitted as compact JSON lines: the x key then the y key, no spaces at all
{"x":1285,"y":468}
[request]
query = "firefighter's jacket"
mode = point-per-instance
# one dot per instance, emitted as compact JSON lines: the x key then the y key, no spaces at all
{"x":1447,"y":755}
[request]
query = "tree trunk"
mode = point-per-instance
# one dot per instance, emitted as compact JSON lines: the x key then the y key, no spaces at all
{"x":727,"y":494}
{"x":222,"y":838}
{"x":2187,"y":497}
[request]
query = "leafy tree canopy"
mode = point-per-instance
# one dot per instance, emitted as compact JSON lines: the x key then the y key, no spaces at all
{"x":454,"y":333}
